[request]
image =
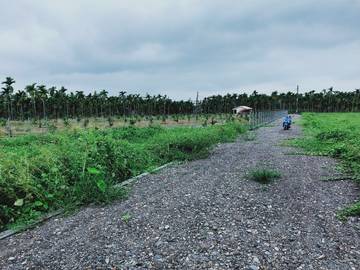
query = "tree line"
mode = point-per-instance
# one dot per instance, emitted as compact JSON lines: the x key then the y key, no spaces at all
{"x":326,"y":100}
{"x":40,"y":102}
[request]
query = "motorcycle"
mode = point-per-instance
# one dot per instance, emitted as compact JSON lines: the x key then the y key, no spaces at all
{"x":286,"y":125}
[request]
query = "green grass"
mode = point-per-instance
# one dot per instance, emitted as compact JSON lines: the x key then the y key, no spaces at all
{"x":263,"y":175}
{"x":126,"y":217}
{"x":352,"y":210}
{"x":336,"y":135}
{"x":42,"y":173}
{"x":249,"y":136}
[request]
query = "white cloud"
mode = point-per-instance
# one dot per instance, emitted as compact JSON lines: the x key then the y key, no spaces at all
{"x":179,"y":47}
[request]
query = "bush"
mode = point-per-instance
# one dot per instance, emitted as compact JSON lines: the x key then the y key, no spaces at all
{"x":110,"y":121}
{"x":336,"y":135}
{"x":86,"y":122}
{"x":2,"y":122}
{"x":66,"y":122}
{"x":52,"y":127}
{"x":40,"y":173}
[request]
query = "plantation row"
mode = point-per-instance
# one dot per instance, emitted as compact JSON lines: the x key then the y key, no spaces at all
{"x":41,"y":173}
{"x":336,"y":135}
{"x":42,"y":102}
{"x":35,"y":126}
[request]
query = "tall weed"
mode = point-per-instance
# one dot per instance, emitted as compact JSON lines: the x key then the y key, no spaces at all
{"x":40,"y":173}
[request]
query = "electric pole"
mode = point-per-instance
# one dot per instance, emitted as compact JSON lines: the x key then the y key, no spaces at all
{"x":197,"y":103}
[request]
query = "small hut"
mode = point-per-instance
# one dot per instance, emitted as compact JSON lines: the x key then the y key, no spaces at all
{"x":242,"y":110}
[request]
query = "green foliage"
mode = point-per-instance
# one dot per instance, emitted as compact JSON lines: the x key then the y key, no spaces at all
{"x":333,"y":134}
{"x":352,"y":210}
{"x":66,"y":122}
{"x":213,"y":121}
{"x":263,"y":175}
{"x":175,"y":118}
{"x":86,"y":122}
{"x":2,"y":122}
{"x":336,"y":135}
{"x":110,"y":121}
{"x":249,"y":136}
{"x":52,"y":127}
{"x":41,"y":173}
{"x":126,"y":217}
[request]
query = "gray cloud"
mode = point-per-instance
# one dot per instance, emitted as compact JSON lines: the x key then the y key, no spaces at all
{"x":180,"y":47}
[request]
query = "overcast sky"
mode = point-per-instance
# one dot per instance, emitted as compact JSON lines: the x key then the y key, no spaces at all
{"x":178,"y":47}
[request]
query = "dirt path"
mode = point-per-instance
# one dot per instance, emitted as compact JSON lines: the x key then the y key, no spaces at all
{"x":207,"y":214}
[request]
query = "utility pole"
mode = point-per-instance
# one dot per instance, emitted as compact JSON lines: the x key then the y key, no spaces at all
{"x":297,"y":99}
{"x":197,"y":103}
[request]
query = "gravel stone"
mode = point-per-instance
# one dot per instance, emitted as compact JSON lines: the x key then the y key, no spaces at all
{"x":207,"y":214}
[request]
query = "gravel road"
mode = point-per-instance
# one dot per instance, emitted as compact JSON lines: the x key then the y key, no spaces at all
{"x":207,"y":214}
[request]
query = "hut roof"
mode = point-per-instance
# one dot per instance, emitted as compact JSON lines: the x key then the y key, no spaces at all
{"x":242,"y":108}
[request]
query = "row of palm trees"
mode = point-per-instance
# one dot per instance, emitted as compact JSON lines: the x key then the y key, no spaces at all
{"x":326,"y":100}
{"x":38,"y":101}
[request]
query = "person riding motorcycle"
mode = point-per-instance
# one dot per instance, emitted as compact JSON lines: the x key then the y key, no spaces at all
{"x":287,"y":122}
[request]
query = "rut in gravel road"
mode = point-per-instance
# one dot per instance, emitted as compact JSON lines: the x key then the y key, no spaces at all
{"x":208,"y":214}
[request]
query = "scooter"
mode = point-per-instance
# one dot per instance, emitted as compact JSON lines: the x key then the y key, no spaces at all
{"x":286,"y":125}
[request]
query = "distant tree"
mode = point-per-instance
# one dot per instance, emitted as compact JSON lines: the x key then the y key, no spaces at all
{"x":7,"y":92}
{"x":31,"y":90}
{"x":43,"y":95}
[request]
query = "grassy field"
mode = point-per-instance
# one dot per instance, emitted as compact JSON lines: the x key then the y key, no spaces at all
{"x":43,"y":126}
{"x":41,"y":173}
{"x":336,"y":135}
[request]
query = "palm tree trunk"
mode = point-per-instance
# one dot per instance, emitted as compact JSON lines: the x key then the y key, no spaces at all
{"x":10,"y":104}
{"x":22,"y":112}
{"x":34,"y":108}
{"x":44,"y":109}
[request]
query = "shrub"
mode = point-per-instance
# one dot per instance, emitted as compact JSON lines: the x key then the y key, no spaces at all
{"x":336,"y":135}
{"x":213,"y":121}
{"x":2,"y":122}
{"x":40,"y":173}
{"x":52,"y":127}
{"x":110,"y":121}
{"x":249,"y":136}
{"x":86,"y":123}
{"x":163,"y":118}
{"x":66,"y":122}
